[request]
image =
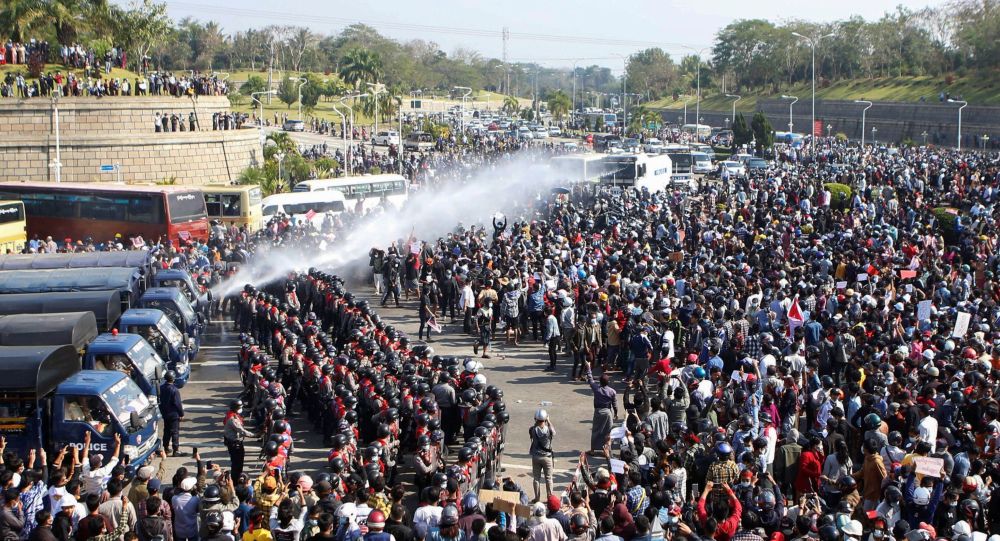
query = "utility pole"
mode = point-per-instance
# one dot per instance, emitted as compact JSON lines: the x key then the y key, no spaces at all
{"x":506,"y":69}
{"x":270,"y":73}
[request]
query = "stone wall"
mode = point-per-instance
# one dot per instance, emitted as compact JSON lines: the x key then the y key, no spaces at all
{"x":119,"y":130}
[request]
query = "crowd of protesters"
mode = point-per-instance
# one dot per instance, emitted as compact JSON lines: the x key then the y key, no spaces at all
{"x":795,"y":361}
{"x":19,"y":85}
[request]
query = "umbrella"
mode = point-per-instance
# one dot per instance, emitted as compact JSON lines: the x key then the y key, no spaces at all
{"x":561,"y":190}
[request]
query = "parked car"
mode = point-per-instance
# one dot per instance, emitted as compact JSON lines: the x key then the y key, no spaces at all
{"x":293,"y":125}
{"x":756,"y":164}
{"x":735,"y":168}
{"x":554,"y":131}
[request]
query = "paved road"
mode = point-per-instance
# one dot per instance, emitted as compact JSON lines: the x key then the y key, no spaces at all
{"x":518,"y":370}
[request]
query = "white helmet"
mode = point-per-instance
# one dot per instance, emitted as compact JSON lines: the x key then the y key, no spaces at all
{"x":921,"y":496}
{"x":472,"y":365}
{"x":541,"y":415}
{"x":348,"y":512}
{"x":479,"y":381}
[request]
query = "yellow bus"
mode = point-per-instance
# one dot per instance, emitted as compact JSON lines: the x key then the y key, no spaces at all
{"x":238,"y":205}
{"x":13,"y":227}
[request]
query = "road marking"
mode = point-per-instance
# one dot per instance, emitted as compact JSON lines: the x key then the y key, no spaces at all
{"x":234,"y":383}
{"x":220,"y":347}
{"x":214,"y":363}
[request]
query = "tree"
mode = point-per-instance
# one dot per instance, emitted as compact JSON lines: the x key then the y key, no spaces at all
{"x":510,"y":105}
{"x":360,"y":66}
{"x":559,"y":104}
{"x":288,"y":91}
{"x":762,"y":131}
{"x":20,"y":18}
{"x":741,"y":132}
{"x":652,"y":72}
{"x":140,"y":27}
{"x":254,"y":83}
{"x":312,"y":90}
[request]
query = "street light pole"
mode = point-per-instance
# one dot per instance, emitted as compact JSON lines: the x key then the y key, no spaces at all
{"x":863,"y":111}
{"x":736,"y":99}
{"x":302,"y":81}
{"x":343,"y":132}
{"x":347,"y":150}
{"x":57,"y":163}
{"x":260,"y":118}
{"x":468,"y":91}
{"x":697,"y":107}
{"x":790,"y":106}
{"x":812,"y":45}
{"x":376,"y":89}
{"x":962,"y":106}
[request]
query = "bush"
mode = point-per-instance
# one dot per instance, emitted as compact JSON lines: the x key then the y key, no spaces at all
{"x":840,"y":195}
{"x":841,"y":137}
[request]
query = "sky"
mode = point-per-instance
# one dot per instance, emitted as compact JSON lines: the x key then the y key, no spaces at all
{"x":600,"y":30}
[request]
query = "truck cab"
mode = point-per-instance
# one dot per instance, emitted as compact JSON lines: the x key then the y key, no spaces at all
{"x":175,"y":305}
{"x":47,"y":401}
{"x":164,"y":337}
{"x":131,"y":355}
{"x":182,"y":280}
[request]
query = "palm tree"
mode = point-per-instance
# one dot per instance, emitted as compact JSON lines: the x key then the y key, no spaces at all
{"x":360,"y":66}
{"x":21,"y":17}
{"x":510,"y":105}
{"x":559,"y":104}
{"x":67,"y":16}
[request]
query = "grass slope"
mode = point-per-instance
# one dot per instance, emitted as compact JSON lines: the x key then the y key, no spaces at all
{"x":978,"y":91}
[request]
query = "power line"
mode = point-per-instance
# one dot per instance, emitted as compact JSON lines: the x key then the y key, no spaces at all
{"x":421,"y":28}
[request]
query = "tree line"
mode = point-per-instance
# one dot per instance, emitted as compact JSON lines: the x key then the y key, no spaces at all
{"x":954,"y":39}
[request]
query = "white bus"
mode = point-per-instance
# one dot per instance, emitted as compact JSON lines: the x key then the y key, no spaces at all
{"x":699,"y":130}
{"x":371,"y":189}
{"x":310,"y":206}
{"x":638,"y":170}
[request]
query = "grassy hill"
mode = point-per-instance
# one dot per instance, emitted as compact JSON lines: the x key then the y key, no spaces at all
{"x":978,"y":91}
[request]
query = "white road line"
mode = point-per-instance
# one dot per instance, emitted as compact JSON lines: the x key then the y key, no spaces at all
{"x":214,"y":363}
{"x":221,"y":347}
{"x":234,"y":383}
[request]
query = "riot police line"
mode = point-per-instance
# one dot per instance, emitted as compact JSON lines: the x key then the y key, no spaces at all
{"x":308,"y":345}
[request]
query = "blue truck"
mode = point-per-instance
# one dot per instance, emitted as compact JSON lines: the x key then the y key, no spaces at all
{"x":165,"y":338}
{"x":47,"y":401}
{"x":172,"y":302}
{"x":182,"y":280}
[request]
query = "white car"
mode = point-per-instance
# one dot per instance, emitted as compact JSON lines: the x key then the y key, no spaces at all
{"x":524,"y":133}
{"x":386,"y":138}
{"x":653,"y":146}
{"x":554,"y":131}
{"x":700,"y":163}
{"x":540,"y":133}
{"x":735,"y":168}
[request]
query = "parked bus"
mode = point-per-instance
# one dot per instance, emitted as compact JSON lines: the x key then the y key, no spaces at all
{"x":594,"y":119}
{"x":239,"y":205}
{"x":372,"y":189}
{"x":13,"y":227}
{"x":71,"y":210}
{"x":701,"y":131}
{"x":304,"y":206}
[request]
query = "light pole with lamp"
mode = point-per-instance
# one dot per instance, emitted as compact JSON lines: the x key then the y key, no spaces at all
{"x":985,"y":139}
{"x":347,"y":150}
{"x":874,"y":131}
{"x":302,"y":81}
{"x":829,"y":128}
{"x":260,"y":118}
{"x":812,"y":45}
{"x":924,"y":134}
{"x":625,"y":60}
{"x":281,"y":157}
{"x":963,"y":105}
{"x":868,"y":105}
{"x":56,"y":164}
{"x":794,"y":99}
{"x":377,"y":88}
{"x":735,"y":99}
{"x":468,"y":92}
{"x":343,"y":132}
{"x":697,"y":107}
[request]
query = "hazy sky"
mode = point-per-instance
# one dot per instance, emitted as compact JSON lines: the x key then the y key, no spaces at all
{"x":600,"y":28}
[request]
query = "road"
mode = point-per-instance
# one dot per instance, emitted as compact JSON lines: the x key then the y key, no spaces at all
{"x":517,"y":370}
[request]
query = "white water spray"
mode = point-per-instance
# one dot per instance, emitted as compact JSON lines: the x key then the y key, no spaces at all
{"x":429,"y":214}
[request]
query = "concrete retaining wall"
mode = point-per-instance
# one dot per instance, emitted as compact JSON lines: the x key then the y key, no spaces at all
{"x":893,"y":121}
{"x":119,"y":130}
